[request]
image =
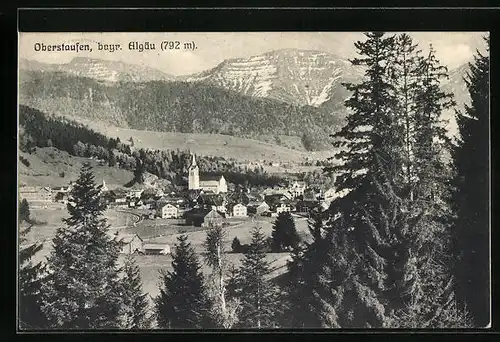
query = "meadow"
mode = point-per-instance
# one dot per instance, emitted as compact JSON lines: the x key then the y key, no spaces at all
{"x":162,"y":231}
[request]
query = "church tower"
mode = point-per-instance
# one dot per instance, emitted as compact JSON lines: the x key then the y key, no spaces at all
{"x":194,"y":175}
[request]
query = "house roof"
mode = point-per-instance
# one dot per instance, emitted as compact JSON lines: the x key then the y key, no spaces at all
{"x":213,"y":214}
{"x":127,"y":238}
{"x":155,"y":246}
{"x":169,"y":204}
{"x":208,"y":178}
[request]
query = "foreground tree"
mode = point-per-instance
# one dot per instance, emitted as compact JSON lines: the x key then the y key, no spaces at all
{"x":471,"y":157}
{"x":83,"y":289}
{"x":24,"y":211}
{"x":370,"y":142}
{"x":183,"y":300}
{"x":30,"y":280}
{"x":305,"y":308}
{"x":258,"y":296}
{"x":284,"y":234}
{"x":224,"y":310}
{"x":135,"y":306}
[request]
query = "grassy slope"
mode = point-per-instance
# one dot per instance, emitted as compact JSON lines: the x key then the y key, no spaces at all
{"x":47,"y":163}
{"x":210,"y":144}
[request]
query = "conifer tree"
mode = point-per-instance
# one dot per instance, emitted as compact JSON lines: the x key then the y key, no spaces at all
{"x":24,"y":211}
{"x":236,"y":245}
{"x":135,"y":303}
{"x":305,"y":306}
{"x":471,"y":157}
{"x":284,"y":234}
{"x":258,"y":295}
{"x":371,"y":143}
{"x":30,"y":279}
{"x":83,"y":290}
{"x":183,"y":300}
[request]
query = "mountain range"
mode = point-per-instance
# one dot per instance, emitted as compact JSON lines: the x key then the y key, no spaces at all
{"x":287,"y":92}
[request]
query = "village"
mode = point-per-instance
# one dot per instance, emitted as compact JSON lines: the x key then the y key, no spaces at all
{"x":205,"y":201}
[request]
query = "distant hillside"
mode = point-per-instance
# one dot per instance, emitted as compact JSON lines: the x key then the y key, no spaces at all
{"x":101,"y":70}
{"x":173,"y":107}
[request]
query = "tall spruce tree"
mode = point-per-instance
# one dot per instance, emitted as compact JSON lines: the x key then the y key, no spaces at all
{"x":258,"y":295}
{"x":305,"y":290}
{"x":284,"y":234}
{"x":83,"y":289}
{"x":471,"y":157}
{"x":371,"y":150}
{"x":30,"y":279}
{"x":183,"y":301}
{"x":135,"y":307}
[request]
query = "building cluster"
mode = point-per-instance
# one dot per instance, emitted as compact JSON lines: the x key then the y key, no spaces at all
{"x":206,"y":200}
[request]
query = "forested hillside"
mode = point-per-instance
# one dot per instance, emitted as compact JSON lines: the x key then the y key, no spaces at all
{"x":174,"y":107}
{"x":38,"y":129}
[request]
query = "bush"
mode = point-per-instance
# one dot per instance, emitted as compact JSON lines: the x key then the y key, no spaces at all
{"x":236,"y":245}
{"x":24,"y":161}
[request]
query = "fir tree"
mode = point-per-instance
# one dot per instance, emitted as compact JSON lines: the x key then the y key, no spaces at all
{"x":139,"y":171}
{"x":471,"y":157}
{"x":183,"y":300}
{"x":111,"y":158}
{"x":30,"y":279}
{"x":284,"y":234}
{"x":236,"y":245}
{"x":82,"y":290}
{"x":135,"y":303}
{"x":305,"y":307}
{"x":258,"y":295}
{"x":371,"y":144}
{"x":24,"y":211}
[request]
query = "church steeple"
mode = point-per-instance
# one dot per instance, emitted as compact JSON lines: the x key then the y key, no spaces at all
{"x":193,"y":176}
{"x":193,"y":162}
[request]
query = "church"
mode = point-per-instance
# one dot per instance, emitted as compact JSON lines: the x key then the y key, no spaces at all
{"x":215,"y":184}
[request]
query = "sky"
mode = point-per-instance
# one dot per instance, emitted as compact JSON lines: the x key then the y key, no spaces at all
{"x":452,"y":48}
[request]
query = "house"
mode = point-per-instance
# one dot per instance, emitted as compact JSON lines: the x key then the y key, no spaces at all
{"x":168,"y":211}
{"x":156,"y":249}
{"x":297,"y":189}
{"x":200,"y":217}
{"x":325,"y":205}
{"x":275,"y":200}
{"x":239,"y":210}
{"x":329,"y":194}
{"x":131,"y":243}
{"x":35,"y":194}
{"x":282,"y":208}
{"x":306,"y":206}
{"x":213,"y":218}
{"x":211,"y":201}
{"x":195,"y":217}
{"x":258,"y":208}
{"x":135,"y":193}
{"x":215,"y":184}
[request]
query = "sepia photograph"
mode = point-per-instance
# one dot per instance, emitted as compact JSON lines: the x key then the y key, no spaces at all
{"x":253,"y":180}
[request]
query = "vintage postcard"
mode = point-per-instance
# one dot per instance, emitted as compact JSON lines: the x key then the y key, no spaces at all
{"x":253,"y":180}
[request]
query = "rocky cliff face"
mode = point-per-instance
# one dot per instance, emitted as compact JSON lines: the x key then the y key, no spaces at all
{"x":299,"y":77}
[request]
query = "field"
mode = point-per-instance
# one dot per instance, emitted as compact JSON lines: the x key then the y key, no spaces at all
{"x":212,"y":144}
{"x":47,"y":164}
{"x":150,"y":265}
